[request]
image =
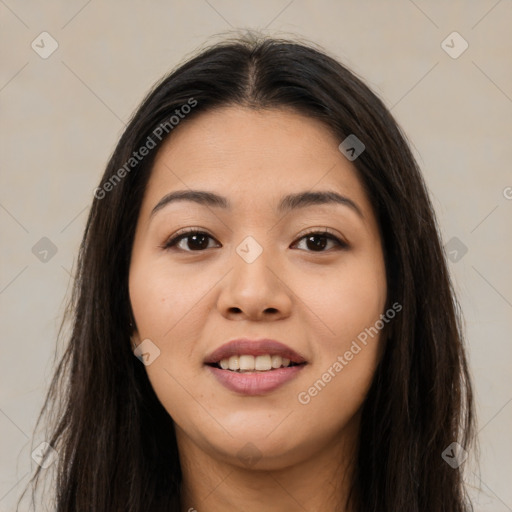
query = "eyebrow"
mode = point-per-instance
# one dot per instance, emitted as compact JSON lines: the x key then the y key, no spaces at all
{"x":287,"y":203}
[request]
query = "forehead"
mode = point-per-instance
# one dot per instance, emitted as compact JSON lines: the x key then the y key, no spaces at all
{"x":252,"y":156}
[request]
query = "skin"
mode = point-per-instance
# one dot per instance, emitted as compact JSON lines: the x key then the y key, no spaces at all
{"x":315,"y":301}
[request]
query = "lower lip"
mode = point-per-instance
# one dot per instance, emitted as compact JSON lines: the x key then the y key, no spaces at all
{"x":255,"y":383}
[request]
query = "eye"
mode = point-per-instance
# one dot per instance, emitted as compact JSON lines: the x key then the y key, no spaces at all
{"x":197,"y":241}
{"x":194,"y":240}
{"x":317,"y":241}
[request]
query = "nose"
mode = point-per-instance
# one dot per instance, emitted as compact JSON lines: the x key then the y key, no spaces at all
{"x":255,"y":290}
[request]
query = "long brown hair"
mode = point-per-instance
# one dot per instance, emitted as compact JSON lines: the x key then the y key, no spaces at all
{"x":116,"y":443}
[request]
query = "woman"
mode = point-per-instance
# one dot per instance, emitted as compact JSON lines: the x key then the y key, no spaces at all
{"x":262,"y":240}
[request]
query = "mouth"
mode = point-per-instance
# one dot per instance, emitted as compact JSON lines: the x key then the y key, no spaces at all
{"x":245,"y":355}
{"x":248,"y":363}
{"x":254,"y":367}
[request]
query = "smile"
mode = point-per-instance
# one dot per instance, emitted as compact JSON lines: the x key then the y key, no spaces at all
{"x":254,"y":367}
{"x":249,"y":363}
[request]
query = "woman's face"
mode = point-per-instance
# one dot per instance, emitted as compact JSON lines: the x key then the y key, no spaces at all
{"x":256,"y":272}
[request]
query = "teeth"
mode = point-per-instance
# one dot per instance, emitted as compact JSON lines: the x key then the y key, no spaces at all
{"x":277,"y":361}
{"x":262,"y":363}
{"x":247,"y":363}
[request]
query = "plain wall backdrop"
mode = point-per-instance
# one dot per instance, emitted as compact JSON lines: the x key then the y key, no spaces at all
{"x":72,"y":74}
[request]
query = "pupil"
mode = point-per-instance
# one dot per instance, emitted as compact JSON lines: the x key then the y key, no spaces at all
{"x":193,"y":242}
{"x":320,"y":244}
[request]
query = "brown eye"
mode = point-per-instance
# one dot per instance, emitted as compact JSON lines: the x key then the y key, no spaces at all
{"x":195,"y":241}
{"x":318,"y":241}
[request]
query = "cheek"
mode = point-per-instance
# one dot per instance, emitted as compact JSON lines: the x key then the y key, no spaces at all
{"x":349,"y":306}
{"x":167,"y":306}
{"x":163,"y":300}
{"x":346,"y":300}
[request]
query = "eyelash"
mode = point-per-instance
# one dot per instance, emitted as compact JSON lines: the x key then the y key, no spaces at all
{"x":184,"y":234}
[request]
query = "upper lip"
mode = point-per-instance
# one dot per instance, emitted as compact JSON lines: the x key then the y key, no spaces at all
{"x":254,"y":348}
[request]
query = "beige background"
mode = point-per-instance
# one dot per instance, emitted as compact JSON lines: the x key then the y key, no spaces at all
{"x":62,"y":116}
